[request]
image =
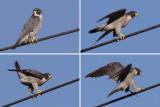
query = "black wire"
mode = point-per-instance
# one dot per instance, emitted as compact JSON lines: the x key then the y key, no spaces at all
{"x":115,"y":40}
{"x":44,"y":38}
{"x":123,"y":97}
{"x":51,"y":89}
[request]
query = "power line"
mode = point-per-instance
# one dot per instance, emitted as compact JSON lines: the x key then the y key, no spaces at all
{"x":44,"y":38}
{"x":51,"y":89}
{"x":123,"y":97}
{"x":115,"y":40}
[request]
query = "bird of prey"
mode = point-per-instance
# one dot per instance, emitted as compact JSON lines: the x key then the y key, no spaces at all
{"x":117,"y":20}
{"x":31,"y":78}
{"x":30,"y":29}
{"x":122,"y":75}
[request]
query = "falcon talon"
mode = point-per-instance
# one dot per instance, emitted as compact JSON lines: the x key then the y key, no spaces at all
{"x":40,"y":93}
{"x":116,"y":21}
{"x":122,"y":36}
{"x":118,"y":39}
{"x":31,"y":78}
{"x":31,"y":28}
{"x":120,"y":74}
{"x":34,"y":96}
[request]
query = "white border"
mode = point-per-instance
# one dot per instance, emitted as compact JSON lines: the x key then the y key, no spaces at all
{"x":80,"y":54}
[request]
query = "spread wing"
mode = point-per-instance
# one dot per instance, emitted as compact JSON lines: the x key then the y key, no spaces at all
{"x":113,"y":16}
{"x":29,"y":72}
{"x":121,"y":75}
{"x":111,"y":69}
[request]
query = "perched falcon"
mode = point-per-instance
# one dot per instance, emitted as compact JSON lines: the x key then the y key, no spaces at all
{"x":30,"y":29}
{"x":117,"y":20}
{"x":123,"y":75}
{"x":31,"y":78}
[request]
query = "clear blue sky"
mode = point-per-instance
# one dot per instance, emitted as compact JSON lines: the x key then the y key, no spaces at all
{"x":58,"y":16}
{"x":58,"y":66}
{"x":93,"y":10}
{"x":96,"y":90}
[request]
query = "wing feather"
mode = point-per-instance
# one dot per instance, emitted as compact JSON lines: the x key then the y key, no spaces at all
{"x":121,"y":75}
{"x":113,"y":16}
{"x":110,"y":70}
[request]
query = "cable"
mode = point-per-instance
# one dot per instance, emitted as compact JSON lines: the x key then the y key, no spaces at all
{"x":115,"y":40}
{"x":123,"y":97}
{"x":51,"y":89}
{"x":44,"y":38}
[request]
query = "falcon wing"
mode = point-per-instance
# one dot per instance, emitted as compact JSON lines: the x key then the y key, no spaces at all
{"x":121,"y":75}
{"x":30,"y":25}
{"x":29,"y":72}
{"x":113,"y":16}
{"x":110,"y":70}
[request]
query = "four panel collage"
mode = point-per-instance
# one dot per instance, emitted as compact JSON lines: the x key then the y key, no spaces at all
{"x":79,"y":53}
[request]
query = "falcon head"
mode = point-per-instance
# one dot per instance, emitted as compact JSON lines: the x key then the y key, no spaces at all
{"x":37,"y":12}
{"x":138,"y":71}
{"x":47,"y":76}
{"x":132,"y":14}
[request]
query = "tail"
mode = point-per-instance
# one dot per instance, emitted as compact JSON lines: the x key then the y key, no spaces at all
{"x":94,"y":30}
{"x":107,"y":32}
{"x":14,"y":46}
{"x":118,"y":88}
{"x":17,"y":66}
{"x":112,"y":92}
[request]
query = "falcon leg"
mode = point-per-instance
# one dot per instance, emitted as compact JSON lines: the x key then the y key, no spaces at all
{"x":39,"y":93}
{"x":122,"y":36}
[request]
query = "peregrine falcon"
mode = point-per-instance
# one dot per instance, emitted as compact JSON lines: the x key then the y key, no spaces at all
{"x":31,"y":78}
{"x":30,"y":29}
{"x":123,"y":75}
{"x":117,"y":20}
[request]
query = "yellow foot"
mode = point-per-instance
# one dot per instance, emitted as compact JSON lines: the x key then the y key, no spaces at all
{"x":139,"y":89}
{"x":34,"y":39}
{"x":122,"y":36}
{"x":118,"y":39}
{"x":30,"y":42}
{"x":39,"y":93}
{"x":34,"y":96}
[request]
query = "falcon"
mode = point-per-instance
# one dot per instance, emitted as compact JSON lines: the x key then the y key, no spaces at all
{"x":122,"y":75}
{"x":30,"y":29}
{"x":31,"y":78}
{"x":117,"y":20}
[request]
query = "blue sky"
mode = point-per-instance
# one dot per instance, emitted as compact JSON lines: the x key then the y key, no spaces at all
{"x":148,"y":42}
{"x":58,"y":16}
{"x":96,"y":90}
{"x":58,"y":66}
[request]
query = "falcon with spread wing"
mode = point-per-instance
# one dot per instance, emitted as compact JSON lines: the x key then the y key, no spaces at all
{"x":122,"y":75}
